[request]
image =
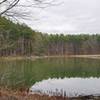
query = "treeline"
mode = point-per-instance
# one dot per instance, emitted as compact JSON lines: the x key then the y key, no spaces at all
{"x":19,"y":40}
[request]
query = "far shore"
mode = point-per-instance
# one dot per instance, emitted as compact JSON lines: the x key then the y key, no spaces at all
{"x":94,"y":56}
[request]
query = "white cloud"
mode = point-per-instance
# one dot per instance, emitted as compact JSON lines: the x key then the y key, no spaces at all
{"x":70,"y":17}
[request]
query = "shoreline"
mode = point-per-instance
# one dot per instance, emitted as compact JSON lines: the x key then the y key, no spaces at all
{"x":6,"y":94}
{"x":94,"y":56}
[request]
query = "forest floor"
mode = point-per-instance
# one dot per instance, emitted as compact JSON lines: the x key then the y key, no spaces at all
{"x":94,"y":56}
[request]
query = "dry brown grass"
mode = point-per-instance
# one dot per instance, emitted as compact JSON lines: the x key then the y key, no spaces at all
{"x":23,"y":94}
{"x":6,"y":94}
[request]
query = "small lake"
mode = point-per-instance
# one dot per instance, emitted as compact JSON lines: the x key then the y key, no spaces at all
{"x":63,"y":72}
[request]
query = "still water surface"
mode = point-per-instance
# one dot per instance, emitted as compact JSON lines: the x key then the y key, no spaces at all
{"x":70,"y":87}
{"x":25,"y":73}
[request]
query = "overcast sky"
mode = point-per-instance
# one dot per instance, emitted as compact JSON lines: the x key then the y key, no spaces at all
{"x":72,"y":16}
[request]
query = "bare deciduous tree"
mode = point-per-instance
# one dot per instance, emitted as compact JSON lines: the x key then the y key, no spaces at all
{"x":13,"y":8}
{"x":7,"y":5}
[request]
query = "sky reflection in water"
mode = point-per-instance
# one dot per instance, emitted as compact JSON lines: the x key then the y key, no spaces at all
{"x":72,"y":86}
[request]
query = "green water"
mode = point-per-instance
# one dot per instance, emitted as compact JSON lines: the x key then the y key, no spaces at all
{"x":18,"y":73}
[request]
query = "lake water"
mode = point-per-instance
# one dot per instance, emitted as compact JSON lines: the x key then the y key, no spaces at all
{"x":71,"y":74}
{"x":70,"y":87}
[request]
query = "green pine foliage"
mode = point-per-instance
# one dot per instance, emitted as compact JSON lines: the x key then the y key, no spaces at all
{"x":20,"y":40}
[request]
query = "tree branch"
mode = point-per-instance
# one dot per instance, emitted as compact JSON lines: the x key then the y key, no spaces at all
{"x":15,"y":9}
